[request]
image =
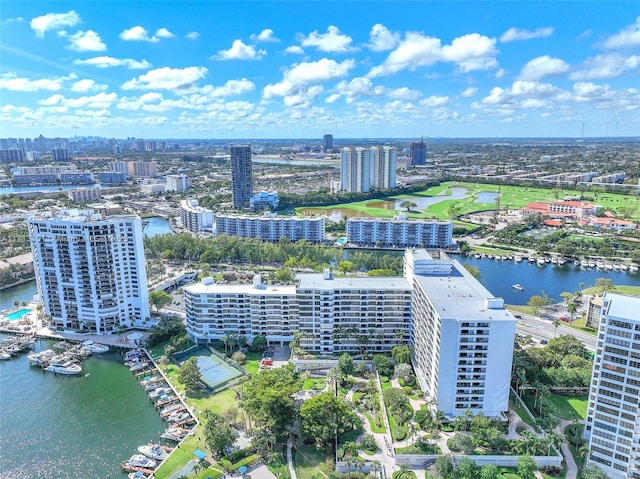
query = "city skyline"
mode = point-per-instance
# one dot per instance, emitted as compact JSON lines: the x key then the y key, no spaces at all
{"x":401,"y":69}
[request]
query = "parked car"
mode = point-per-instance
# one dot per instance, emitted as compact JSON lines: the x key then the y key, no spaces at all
{"x":565,"y":319}
{"x":543,"y":341}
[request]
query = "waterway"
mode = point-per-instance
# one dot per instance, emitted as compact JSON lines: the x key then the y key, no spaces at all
{"x":57,"y":426}
{"x":156,"y":226}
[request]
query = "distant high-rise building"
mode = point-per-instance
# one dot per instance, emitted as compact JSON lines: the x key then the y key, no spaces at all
{"x":178,"y":183}
{"x":120,"y":167}
{"x":611,"y":426}
{"x":59,"y":154}
{"x":355,"y":170}
{"x":11,"y":155}
{"x":90,"y":270}
{"x":145,"y":169}
{"x":241,"y":175}
{"x":418,"y":153}
{"x":327,"y":144}
{"x":384,"y":167}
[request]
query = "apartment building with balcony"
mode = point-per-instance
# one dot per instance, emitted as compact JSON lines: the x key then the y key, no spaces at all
{"x":196,"y":218}
{"x":271,"y":227}
{"x":250,"y":310}
{"x":462,"y":337}
{"x":90,"y":270}
{"x":612,"y":427}
{"x":399,"y":232}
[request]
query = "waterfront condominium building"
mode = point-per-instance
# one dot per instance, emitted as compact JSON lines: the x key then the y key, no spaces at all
{"x":418,"y":153}
{"x":271,"y":227}
{"x":383,"y":176}
{"x":90,"y":270}
{"x":613,"y":414}
{"x":355,"y":170}
{"x":399,"y":232}
{"x":196,"y":218}
{"x":142,"y":169}
{"x":59,"y":154}
{"x":241,"y":175}
{"x":462,"y":337}
{"x":214,"y":310}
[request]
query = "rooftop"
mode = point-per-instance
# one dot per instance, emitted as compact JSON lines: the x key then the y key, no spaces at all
{"x":621,"y":306}
{"x":240,"y":288}
{"x":460,"y":296}
{"x":318,"y":281}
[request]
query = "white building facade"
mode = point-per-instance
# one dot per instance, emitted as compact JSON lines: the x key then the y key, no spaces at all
{"x":612,"y":426}
{"x":383,"y":176}
{"x":399,"y":232}
{"x":271,"y":227}
{"x":90,"y":270}
{"x":178,"y":183}
{"x":196,"y":218}
{"x":462,"y":338}
{"x":355,"y":170}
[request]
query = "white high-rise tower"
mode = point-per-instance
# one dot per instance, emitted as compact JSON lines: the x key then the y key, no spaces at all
{"x":384,"y":167}
{"x":90,"y":270}
{"x":355,"y":171}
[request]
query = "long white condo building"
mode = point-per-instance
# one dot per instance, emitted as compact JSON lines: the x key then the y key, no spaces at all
{"x":196,"y":218}
{"x":399,"y":232}
{"x":90,"y":270}
{"x":613,"y":414}
{"x":271,"y":227}
{"x":462,"y":337}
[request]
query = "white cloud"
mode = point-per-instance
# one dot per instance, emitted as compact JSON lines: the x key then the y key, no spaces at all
{"x":232,"y":87}
{"x":164,"y":33}
{"x":101,"y":100}
{"x":11,"y":81}
{"x":54,"y":21}
{"x":107,"y":62}
{"x":140,"y":34}
{"x":469,"y":92}
{"x":167,"y":79}
{"x":501,"y":73}
{"x":515,"y":34}
{"x":628,"y":37}
{"x":520,"y":92}
{"x":88,"y":41}
{"x":298,"y":81}
{"x":240,"y":51}
{"x":332,"y":41}
{"x":12,"y":20}
{"x":134,"y":104}
{"x":354,"y":89}
{"x":303,"y":97}
{"x":471,"y":52}
{"x":468,"y":52}
{"x":86,"y":85}
{"x":608,"y":65}
{"x":294,"y":49}
{"x":404,"y":93}
{"x":193,"y":35}
{"x":543,"y":66}
{"x":382,"y":39}
{"x":264,"y":36}
{"x":434,"y":101}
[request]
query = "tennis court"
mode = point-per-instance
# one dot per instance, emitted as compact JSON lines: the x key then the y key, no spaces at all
{"x":215,"y":371}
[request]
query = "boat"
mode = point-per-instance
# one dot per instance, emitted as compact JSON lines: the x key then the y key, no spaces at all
{"x":131,"y":355}
{"x":38,"y":359}
{"x":153,"y":451}
{"x":137,"y":475}
{"x":138,"y":366}
{"x":517,"y":287}
{"x":175,"y":434}
{"x":64,"y":366}
{"x":541,"y":261}
{"x":95,"y":348}
{"x":554,"y":260}
{"x":178,"y":417}
{"x":4,"y":356}
{"x":561,"y":261}
{"x":138,"y":460}
{"x":152,"y":386}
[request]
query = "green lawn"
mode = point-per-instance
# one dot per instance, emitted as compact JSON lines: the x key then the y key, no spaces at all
{"x":372,"y":424}
{"x":632,"y":290}
{"x":570,"y":407}
{"x":308,"y":461}
{"x":520,"y":411}
{"x":512,"y":197}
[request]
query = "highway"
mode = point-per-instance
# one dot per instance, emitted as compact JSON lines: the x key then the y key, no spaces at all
{"x":539,"y":328}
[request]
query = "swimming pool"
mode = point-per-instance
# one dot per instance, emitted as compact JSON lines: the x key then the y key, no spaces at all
{"x":18,"y":314}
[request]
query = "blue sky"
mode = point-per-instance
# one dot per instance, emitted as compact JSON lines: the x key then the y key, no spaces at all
{"x":278,"y":69}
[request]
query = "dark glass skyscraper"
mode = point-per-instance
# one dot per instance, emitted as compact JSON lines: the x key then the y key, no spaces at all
{"x":241,"y":175}
{"x":418,"y":152}
{"x":327,"y":144}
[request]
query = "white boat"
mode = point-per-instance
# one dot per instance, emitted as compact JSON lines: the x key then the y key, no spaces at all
{"x":4,"y":356}
{"x":153,"y":451}
{"x":178,"y":417}
{"x":518,"y":287}
{"x":138,"y":460}
{"x":175,"y":434}
{"x":561,"y":261}
{"x":131,"y":355}
{"x":138,"y":367}
{"x":36,"y":359}
{"x":137,"y":475}
{"x":64,"y":366}
{"x":633,"y":268}
{"x":95,"y":348}
{"x":541,"y":262}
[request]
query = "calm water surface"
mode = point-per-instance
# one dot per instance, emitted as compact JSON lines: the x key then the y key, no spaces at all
{"x":55,"y":427}
{"x":156,"y":226}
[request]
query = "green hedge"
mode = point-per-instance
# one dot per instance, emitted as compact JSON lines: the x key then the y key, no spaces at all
{"x":229,"y":466}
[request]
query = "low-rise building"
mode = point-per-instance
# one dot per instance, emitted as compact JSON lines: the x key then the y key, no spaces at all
{"x":262,"y":200}
{"x":178,"y":183}
{"x":399,"y":232}
{"x":84,"y":195}
{"x":271,"y":227}
{"x":196,"y":218}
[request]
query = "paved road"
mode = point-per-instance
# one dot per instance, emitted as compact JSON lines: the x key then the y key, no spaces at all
{"x":539,"y":328}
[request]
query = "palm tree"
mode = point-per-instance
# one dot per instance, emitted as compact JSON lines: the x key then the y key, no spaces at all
{"x":556,"y":323}
{"x":572,"y":308}
{"x":375,"y":467}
